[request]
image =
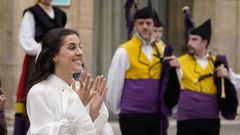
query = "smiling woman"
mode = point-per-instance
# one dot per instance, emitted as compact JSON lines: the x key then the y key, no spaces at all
{"x":56,"y":104}
{"x":69,"y":58}
{"x":37,"y":20}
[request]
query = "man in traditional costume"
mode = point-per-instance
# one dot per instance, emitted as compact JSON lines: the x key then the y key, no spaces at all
{"x":207,"y":89}
{"x":134,"y":92}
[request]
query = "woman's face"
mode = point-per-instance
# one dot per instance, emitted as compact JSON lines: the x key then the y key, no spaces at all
{"x":69,"y":57}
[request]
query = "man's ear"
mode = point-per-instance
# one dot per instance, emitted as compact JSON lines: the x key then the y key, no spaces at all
{"x":134,"y":26}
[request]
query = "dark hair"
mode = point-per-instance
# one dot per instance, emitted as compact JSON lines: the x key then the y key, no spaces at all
{"x":144,"y":13}
{"x":204,"y":31}
{"x":157,"y":22}
{"x":51,"y":44}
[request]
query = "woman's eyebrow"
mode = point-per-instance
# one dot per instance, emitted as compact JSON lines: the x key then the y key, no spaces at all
{"x":72,"y":43}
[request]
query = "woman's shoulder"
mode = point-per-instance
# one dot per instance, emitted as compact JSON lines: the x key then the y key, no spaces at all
{"x":39,"y":88}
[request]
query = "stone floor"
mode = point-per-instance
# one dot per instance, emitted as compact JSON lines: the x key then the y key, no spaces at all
{"x":227,"y":128}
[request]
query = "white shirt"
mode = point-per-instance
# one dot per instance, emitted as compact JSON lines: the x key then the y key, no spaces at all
{"x":26,"y":35}
{"x":27,"y":32}
{"x":116,"y":74}
{"x":55,"y":109}
{"x":203,"y":62}
{"x":235,"y":79}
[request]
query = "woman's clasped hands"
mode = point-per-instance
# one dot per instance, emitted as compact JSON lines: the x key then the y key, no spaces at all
{"x":91,"y":92}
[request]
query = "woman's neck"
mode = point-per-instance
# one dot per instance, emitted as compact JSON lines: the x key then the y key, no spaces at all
{"x":64,"y":76}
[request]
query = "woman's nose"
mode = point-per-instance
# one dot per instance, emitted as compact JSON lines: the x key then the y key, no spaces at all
{"x":79,"y":51}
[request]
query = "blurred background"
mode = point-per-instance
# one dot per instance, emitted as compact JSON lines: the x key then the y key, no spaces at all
{"x":102,"y":27}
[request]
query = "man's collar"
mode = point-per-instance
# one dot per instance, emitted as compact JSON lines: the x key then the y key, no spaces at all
{"x":143,"y":41}
{"x":205,"y":57}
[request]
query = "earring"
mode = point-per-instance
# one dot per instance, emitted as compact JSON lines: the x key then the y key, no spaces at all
{"x":55,"y":61}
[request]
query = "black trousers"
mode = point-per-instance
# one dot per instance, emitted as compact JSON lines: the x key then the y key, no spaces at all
{"x":198,"y":127}
{"x":140,"y":124}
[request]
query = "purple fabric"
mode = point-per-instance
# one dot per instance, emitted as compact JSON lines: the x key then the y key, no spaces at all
{"x":188,"y":24}
{"x":129,"y":19}
{"x":141,"y":96}
{"x":168,"y":51}
{"x":230,"y":116}
{"x":21,"y":125}
{"x":221,"y":59}
{"x":145,"y":96}
{"x":164,"y":125}
{"x":197,"y":105}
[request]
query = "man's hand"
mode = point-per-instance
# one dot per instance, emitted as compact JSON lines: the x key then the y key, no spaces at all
{"x":173,"y":61}
{"x":222,"y":72}
{"x":2,"y":101}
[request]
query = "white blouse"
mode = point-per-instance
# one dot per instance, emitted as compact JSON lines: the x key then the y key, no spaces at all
{"x":55,"y":109}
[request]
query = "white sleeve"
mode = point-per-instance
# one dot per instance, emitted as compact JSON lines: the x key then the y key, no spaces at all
{"x":26,"y":35}
{"x":108,"y":130}
{"x":235,"y":79}
{"x":101,"y":125}
{"x":116,"y":76}
{"x":179,"y":73}
{"x":44,"y":120}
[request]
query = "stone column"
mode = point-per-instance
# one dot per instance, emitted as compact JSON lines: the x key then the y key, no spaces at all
{"x":85,"y":27}
{"x":11,"y":55}
{"x":80,"y":18}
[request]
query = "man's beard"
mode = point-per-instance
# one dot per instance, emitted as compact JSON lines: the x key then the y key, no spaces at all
{"x":191,"y":51}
